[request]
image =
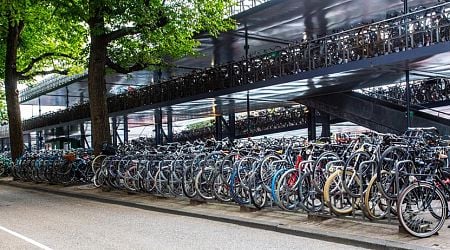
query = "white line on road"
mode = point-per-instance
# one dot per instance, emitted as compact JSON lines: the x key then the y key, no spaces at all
{"x":25,"y":238}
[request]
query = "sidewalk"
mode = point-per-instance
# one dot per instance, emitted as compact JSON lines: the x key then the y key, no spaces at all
{"x":353,"y":232}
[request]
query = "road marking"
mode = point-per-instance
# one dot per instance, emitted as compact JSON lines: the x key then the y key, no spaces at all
{"x":25,"y":238}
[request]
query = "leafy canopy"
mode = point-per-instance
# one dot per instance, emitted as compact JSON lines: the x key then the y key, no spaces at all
{"x":46,"y":45}
{"x":148,"y":32}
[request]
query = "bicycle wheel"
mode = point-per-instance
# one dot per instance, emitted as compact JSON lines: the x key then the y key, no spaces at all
{"x":388,"y":160}
{"x":310,"y":200}
{"x":238,"y":191}
{"x":258,"y":196}
{"x":422,"y":209}
{"x":189,"y":175}
{"x":273,"y":187}
{"x":320,"y":174}
{"x":97,"y":162}
{"x":375,"y":204}
{"x":267,"y":170}
{"x":221,"y":189}
{"x":287,"y":190}
{"x":353,"y":165}
{"x":336,"y":197}
{"x":204,"y":183}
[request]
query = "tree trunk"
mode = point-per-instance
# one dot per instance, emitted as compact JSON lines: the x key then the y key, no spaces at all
{"x":97,"y":87}
{"x":12,"y":94}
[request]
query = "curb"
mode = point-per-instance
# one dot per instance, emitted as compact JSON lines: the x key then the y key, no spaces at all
{"x":341,"y":238}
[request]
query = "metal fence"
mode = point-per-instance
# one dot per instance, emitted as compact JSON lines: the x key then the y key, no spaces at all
{"x":48,"y":85}
{"x":243,"y":5}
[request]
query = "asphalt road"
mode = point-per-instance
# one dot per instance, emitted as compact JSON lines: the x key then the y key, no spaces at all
{"x":36,"y":220}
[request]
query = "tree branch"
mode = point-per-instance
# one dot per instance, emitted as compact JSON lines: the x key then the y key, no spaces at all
{"x":123,"y":70}
{"x":127,"y":31}
{"x":43,"y":72}
{"x":40,"y":58}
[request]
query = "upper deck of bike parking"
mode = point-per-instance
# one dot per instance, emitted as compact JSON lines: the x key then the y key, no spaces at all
{"x":300,"y":69}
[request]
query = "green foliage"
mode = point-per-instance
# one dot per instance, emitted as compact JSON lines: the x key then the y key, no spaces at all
{"x":46,"y":45}
{"x":157,"y":30}
{"x":43,"y":34}
{"x":200,"y":125}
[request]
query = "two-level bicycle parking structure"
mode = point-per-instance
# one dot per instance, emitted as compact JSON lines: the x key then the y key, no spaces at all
{"x":376,"y":177}
{"x":427,"y":28}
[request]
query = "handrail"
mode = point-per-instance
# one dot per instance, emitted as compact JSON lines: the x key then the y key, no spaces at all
{"x":244,"y":5}
{"x":48,"y":85}
{"x":419,"y":88}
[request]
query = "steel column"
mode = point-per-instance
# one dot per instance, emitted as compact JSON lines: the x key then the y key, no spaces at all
{"x":232,"y":126}
{"x":29,"y":142}
{"x":158,"y":127}
{"x":246,"y":48}
{"x":39,"y":103}
{"x":83,"y":140}
{"x":406,"y":11}
{"x":82,"y":136}
{"x":246,"y":45}
{"x":408,"y":99}
{"x":248,"y":113}
{"x":218,"y":125}
{"x":169,"y":125}
{"x":38,"y":143}
{"x":311,"y":124}
{"x":216,"y":53}
{"x":125,"y":129}
{"x":69,"y":145}
{"x":67,"y":96}
{"x":325,"y":117}
{"x":114,"y":130}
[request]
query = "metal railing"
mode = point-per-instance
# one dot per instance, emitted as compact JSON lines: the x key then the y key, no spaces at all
{"x":424,"y":93}
{"x":265,"y":120}
{"x":48,"y":85}
{"x":244,"y":5}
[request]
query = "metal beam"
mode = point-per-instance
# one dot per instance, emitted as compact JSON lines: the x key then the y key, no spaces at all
{"x":372,"y":113}
{"x":262,"y":38}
